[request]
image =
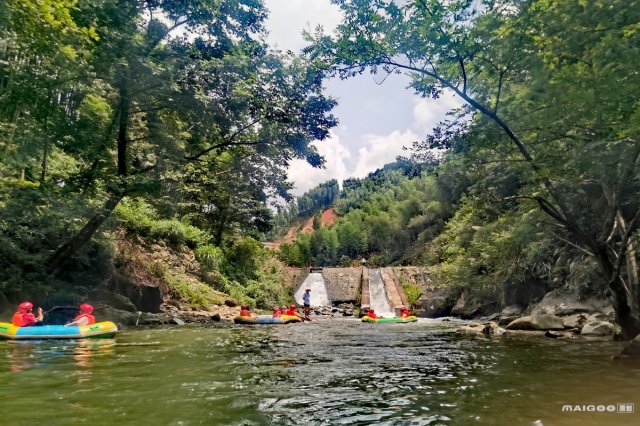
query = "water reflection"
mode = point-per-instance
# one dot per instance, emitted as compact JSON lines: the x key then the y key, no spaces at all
{"x":21,"y":355}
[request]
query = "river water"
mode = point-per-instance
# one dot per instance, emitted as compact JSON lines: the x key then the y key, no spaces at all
{"x":338,"y":371}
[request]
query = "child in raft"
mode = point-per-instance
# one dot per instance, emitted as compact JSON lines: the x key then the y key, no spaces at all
{"x":25,"y":318}
{"x":404,"y":312}
{"x":292,"y":311}
{"x":276,"y":312}
{"x":84,"y":317}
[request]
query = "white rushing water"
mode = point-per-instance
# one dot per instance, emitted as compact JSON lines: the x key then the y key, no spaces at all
{"x":319,"y":296}
{"x":378,"y":295}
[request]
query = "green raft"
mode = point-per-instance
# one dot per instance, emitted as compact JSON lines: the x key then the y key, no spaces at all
{"x":394,"y":319}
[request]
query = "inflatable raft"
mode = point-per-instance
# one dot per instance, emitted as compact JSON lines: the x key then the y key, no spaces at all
{"x":100,"y":329}
{"x":394,"y":319}
{"x":284,"y":319}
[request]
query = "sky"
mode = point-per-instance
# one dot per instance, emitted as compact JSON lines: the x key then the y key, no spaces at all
{"x":376,"y":119}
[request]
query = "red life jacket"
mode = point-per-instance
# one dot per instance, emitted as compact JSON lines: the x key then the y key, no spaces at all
{"x":277,"y":314}
{"x":91,"y":318}
{"x":372,"y":315}
{"x":405,"y":314}
{"x":23,"y":319}
{"x":291,"y":312}
{"x":245,"y":313}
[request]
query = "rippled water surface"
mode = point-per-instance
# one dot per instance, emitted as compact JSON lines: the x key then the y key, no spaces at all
{"x":324,"y":372}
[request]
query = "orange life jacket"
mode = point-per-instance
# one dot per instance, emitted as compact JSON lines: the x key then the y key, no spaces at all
{"x":23,"y":319}
{"x":91,"y":318}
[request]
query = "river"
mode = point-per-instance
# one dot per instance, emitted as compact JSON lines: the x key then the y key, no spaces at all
{"x":339,"y":371}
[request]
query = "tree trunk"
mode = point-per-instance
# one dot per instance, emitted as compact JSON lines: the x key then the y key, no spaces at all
{"x":66,"y":251}
{"x":123,"y":126}
{"x":625,"y":317}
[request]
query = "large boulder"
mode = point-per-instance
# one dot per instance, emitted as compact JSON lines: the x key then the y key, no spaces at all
{"x":145,"y":297}
{"x":117,"y":301}
{"x":522,"y":293}
{"x":118,"y":316}
{"x":438,"y":302}
{"x":512,"y":310}
{"x":598,"y":328}
{"x":537,"y":322}
{"x":574,"y":321}
{"x":561,"y":304}
{"x":471,"y":306}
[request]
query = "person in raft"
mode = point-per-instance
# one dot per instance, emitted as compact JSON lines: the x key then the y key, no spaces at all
{"x":292,"y":311}
{"x":276,"y":312}
{"x":404,"y":312}
{"x":84,"y":317}
{"x":372,"y":314}
{"x":25,"y":318}
{"x":306,"y":298}
{"x":245,"y":311}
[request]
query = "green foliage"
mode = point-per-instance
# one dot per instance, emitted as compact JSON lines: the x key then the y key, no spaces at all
{"x":138,"y":217}
{"x":210,"y":257}
{"x":412,"y":291}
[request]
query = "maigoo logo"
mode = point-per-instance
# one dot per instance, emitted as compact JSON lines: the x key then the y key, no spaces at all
{"x":624,"y":408}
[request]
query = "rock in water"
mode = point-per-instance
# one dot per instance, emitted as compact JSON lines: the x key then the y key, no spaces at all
{"x":537,"y":322}
{"x":598,"y":328}
{"x":633,"y":349}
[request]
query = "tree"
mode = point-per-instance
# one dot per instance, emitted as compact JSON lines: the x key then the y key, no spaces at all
{"x":549,"y":88}
{"x":177,"y":99}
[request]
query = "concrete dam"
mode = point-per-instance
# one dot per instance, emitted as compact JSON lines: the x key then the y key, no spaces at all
{"x":377,"y":288}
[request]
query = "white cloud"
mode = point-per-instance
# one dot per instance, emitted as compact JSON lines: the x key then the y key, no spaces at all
{"x":306,"y":177}
{"x":427,"y":113}
{"x":382,"y":149}
{"x":288,"y":18}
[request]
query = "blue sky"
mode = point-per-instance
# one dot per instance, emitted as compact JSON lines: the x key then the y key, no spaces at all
{"x":376,"y":120}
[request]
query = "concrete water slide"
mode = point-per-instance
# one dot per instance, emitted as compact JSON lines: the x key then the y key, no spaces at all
{"x":341,"y":285}
{"x":381,"y":290}
{"x":332,"y":286}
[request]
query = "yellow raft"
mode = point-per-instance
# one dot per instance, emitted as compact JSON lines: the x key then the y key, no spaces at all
{"x":99,"y":329}
{"x":284,"y":319}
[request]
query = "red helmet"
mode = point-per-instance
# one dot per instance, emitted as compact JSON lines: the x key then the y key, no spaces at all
{"x":25,"y":306}
{"x":293,"y":306}
{"x":86,"y":308}
{"x":371,"y":310}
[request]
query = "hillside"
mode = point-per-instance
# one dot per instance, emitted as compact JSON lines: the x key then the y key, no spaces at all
{"x":305,"y":225}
